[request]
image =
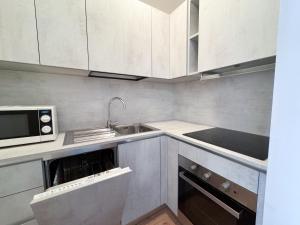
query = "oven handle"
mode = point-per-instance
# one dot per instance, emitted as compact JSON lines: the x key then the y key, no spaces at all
{"x":211,"y":197}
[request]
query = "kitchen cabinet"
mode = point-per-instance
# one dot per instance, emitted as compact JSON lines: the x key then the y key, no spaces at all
{"x":19,"y":183}
{"x":18,"y":36}
{"x":172,"y":174}
{"x":178,"y":41}
{"x":233,"y":32}
{"x":15,"y":209}
{"x":261,"y":198}
{"x":25,"y":176}
{"x":119,"y":36}
{"x":62,"y":33}
{"x":160,"y":44}
{"x":143,"y":157}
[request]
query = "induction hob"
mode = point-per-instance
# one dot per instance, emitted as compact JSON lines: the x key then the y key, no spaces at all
{"x":252,"y":145}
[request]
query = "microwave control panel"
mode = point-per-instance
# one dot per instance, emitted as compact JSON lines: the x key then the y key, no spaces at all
{"x":46,"y":123}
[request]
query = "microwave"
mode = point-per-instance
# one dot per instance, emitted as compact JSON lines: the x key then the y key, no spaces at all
{"x":27,"y":124}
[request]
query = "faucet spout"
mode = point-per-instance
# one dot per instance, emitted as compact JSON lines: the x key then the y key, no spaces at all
{"x":109,"y":123}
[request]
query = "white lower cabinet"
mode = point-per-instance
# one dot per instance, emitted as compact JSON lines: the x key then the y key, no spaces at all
{"x":15,"y":209}
{"x":144,"y":195}
{"x":172,"y":174}
{"x":19,"y":183}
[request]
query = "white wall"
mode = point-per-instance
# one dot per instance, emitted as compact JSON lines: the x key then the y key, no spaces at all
{"x":282,"y":203}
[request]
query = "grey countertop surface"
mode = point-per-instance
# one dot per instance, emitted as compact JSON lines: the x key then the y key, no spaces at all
{"x":173,"y":128}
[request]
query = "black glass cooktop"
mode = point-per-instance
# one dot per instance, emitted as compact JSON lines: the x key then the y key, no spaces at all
{"x":252,"y":145}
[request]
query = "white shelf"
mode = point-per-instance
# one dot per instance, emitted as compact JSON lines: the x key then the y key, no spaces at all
{"x":194,"y":17}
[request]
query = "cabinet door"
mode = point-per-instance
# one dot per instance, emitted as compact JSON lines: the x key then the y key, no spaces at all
{"x":15,"y":209}
{"x":160,"y":44}
{"x":232,"y":32}
{"x":172,"y":174}
{"x":119,"y":36}
{"x":178,"y":41}
{"x":18,"y":35}
{"x":62,"y":33}
{"x":143,"y":157}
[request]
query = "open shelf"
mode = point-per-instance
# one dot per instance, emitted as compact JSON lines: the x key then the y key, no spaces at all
{"x":193,"y":55}
{"x":193,"y":34}
{"x":194,"y":17}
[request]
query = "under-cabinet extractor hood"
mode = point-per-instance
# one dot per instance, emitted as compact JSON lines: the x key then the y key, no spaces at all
{"x":115,"y":76}
{"x":240,"y":69}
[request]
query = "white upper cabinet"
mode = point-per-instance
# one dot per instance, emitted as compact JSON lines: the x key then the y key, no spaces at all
{"x":119,"y":36}
{"x":232,"y":32}
{"x":160,"y":44}
{"x":18,"y":35}
{"x":62,"y":33}
{"x":178,"y":41}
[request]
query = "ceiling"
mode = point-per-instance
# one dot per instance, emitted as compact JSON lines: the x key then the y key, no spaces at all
{"x":164,"y":5}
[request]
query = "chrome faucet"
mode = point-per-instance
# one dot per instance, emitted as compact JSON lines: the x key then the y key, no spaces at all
{"x":109,"y":123}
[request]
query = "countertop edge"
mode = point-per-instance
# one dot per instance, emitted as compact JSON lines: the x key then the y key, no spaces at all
{"x":60,"y":150}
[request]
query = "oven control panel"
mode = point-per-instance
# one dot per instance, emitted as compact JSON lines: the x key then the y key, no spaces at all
{"x":233,"y":190}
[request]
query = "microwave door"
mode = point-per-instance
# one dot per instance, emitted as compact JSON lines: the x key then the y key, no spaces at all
{"x":95,"y":200}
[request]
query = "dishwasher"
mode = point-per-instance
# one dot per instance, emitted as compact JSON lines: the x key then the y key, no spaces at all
{"x":86,"y":188}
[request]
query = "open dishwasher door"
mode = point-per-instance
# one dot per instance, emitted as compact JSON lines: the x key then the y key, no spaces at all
{"x":95,"y":200}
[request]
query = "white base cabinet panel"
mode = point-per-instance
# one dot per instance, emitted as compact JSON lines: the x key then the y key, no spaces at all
{"x":15,"y":209}
{"x":261,"y":198}
{"x":172,"y":171}
{"x":143,"y":157}
{"x":20,"y":177}
{"x":119,"y":36}
{"x":18,"y":34}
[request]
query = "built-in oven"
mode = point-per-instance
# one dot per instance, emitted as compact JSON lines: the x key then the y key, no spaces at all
{"x":206,"y":198}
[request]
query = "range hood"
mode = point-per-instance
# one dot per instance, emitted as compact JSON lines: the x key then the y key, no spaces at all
{"x":240,"y":69}
{"x":115,"y":76}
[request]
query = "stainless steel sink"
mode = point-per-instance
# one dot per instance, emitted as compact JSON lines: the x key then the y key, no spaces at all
{"x":132,"y":129}
{"x":73,"y":137}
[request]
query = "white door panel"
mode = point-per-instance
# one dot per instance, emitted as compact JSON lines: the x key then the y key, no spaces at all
{"x":95,"y":200}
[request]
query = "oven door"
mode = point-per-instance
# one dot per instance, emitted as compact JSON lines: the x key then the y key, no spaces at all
{"x":203,"y":204}
{"x":19,"y":127}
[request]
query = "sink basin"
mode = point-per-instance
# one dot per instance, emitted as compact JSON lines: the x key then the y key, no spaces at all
{"x":73,"y":137}
{"x":132,"y":129}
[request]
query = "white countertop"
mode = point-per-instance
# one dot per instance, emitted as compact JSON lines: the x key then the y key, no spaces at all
{"x":174,"y":129}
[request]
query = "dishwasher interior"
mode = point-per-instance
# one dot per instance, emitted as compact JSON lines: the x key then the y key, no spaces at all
{"x":62,"y":170}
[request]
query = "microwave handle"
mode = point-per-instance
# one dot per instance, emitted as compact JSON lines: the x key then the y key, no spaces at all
{"x":211,"y":197}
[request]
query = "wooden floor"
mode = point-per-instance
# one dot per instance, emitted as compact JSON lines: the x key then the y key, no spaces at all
{"x":163,"y":216}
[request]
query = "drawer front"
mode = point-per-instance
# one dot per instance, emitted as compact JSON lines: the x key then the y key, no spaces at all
{"x":235,"y":172}
{"x":15,"y":209}
{"x":20,"y":177}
